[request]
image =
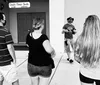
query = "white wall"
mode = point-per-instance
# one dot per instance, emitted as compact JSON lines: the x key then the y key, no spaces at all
{"x":56,"y":14}
{"x":80,"y":9}
{"x":60,"y":10}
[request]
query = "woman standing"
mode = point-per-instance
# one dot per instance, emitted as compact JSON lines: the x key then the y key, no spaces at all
{"x":87,"y":51}
{"x":40,"y":62}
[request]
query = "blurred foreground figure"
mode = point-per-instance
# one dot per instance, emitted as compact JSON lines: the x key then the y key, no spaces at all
{"x":87,"y":51}
{"x":7,"y":55}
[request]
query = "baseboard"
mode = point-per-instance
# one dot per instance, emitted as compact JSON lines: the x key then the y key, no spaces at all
{"x":20,"y":47}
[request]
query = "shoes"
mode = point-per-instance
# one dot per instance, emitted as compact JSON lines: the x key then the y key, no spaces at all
{"x":70,"y":60}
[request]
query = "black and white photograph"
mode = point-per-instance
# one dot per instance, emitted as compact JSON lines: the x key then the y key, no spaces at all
{"x":49,"y":42}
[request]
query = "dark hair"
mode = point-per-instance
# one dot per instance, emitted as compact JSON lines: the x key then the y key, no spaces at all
{"x":70,"y":19}
{"x":1,"y":16}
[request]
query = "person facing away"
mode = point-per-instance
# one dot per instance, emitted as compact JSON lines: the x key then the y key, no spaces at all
{"x":87,"y":51}
{"x":40,"y":62}
{"x":69,"y":30}
{"x":7,"y":55}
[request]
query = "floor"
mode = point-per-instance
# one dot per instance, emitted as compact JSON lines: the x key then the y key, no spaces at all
{"x":64,"y":73}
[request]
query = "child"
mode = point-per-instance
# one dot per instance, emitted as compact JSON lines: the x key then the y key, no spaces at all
{"x":69,"y":30}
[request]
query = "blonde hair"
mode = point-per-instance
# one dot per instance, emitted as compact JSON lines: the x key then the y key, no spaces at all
{"x":89,"y":41}
{"x":37,"y":23}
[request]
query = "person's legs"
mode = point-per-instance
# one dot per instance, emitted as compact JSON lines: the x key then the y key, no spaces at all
{"x":65,"y":46}
{"x":70,"y":55}
{"x":1,"y":80}
{"x":71,"y":51}
{"x":72,"y":42}
{"x":34,"y":71}
{"x":67,"y":50}
{"x":97,"y":82}
{"x":34,"y":80}
{"x":10,"y":75}
{"x":71,"y":60}
{"x":44,"y":80}
{"x":45,"y":73}
{"x":16,"y":82}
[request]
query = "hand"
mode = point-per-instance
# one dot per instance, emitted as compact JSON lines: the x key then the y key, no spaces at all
{"x":14,"y":61}
{"x":62,"y":32}
{"x":53,"y":54}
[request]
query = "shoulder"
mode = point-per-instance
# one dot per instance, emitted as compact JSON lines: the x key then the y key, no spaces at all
{"x":4,"y":29}
{"x":28,"y":35}
{"x":66,"y":25}
{"x":44,"y":36}
{"x":4,"y":32}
